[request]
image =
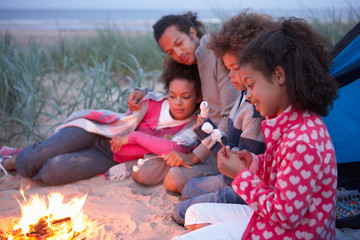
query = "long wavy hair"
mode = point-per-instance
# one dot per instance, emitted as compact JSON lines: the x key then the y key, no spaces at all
{"x":303,"y":53}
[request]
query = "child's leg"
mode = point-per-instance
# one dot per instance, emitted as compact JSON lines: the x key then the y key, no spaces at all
{"x":179,"y":176}
{"x":67,"y":140}
{"x":226,"y":195}
{"x":203,"y":185}
{"x":152,"y":172}
{"x":228,"y":221}
{"x":71,"y":167}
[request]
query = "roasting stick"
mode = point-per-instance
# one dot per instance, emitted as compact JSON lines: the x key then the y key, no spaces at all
{"x":142,"y":161}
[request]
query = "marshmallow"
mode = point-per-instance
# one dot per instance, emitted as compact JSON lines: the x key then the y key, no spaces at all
{"x":140,"y":162}
{"x":207,"y":127}
{"x":217,"y":135}
{"x":204,"y":107}
{"x":135,"y":168}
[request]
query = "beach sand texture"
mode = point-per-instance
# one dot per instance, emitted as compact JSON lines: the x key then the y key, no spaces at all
{"x":117,"y":210}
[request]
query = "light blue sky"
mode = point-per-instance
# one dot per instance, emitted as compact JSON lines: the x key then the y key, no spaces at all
{"x":175,"y":4}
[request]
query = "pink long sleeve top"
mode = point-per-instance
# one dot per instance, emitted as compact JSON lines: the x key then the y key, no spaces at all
{"x":148,"y":139}
{"x":293,"y":189}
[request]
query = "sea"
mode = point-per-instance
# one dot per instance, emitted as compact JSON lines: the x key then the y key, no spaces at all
{"x":133,"y":19}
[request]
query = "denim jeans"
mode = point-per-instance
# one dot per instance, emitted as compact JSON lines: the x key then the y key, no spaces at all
{"x":70,"y":155}
{"x":214,"y":191}
{"x":202,"y":185}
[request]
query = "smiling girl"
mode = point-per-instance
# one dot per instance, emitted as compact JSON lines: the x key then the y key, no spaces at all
{"x":291,"y":189}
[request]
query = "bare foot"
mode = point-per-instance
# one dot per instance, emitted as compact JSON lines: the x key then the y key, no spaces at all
{"x":9,"y":163}
{"x":196,"y":226}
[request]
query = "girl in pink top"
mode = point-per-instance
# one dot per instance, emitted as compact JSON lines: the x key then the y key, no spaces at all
{"x":291,"y":189}
{"x":162,"y":120}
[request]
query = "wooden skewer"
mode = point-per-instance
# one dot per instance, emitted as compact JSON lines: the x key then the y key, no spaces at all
{"x":222,"y":144}
{"x":184,"y":165}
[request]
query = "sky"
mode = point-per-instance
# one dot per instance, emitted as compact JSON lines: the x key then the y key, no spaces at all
{"x":174,"y":4}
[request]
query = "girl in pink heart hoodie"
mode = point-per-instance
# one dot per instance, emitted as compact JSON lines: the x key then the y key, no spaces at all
{"x":291,"y":188}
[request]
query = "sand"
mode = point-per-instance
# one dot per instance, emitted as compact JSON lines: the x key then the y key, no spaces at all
{"x":114,"y":210}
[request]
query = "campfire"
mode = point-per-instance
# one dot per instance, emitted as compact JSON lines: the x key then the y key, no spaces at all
{"x":50,"y":219}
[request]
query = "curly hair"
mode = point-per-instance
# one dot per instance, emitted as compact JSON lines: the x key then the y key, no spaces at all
{"x":303,"y":53}
{"x":173,"y":69}
{"x":238,"y":31}
{"x":183,"y":22}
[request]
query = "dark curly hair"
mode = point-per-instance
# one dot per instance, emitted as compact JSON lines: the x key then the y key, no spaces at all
{"x":238,"y":31}
{"x":303,"y":53}
{"x":183,"y":22}
{"x":173,"y":69}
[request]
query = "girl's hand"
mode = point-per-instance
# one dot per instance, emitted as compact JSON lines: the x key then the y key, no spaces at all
{"x":176,"y":159}
{"x":230,"y":163}
{"x":134,"y":98}
{"x":118,"y":142}
{"x":245,"y":156}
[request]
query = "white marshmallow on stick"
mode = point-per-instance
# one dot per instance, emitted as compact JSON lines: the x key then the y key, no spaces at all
{"x":217,"y":135}
{"x":204,"y":109}
{"x":135,"y":168}
{"x":207,"y":127}
{"x":141,"y":162}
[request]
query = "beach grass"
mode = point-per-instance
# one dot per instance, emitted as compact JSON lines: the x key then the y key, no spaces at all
{"x":42,"y":85}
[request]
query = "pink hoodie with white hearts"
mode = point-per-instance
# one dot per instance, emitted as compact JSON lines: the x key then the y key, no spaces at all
{"x":293,"y":189}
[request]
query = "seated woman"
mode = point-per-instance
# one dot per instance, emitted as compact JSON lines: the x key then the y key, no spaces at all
{"x":82,"y":148}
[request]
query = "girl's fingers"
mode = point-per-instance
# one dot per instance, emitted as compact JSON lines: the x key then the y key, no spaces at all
{"x":242,"y":154}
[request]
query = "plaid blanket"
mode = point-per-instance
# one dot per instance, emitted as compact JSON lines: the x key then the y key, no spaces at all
{"x":107,"y":123}
{"x":8,"y":151}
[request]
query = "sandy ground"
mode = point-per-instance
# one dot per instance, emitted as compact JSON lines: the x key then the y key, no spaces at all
{"x":113,"y":210}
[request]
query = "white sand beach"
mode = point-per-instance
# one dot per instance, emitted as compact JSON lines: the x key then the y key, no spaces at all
{"x":113,"y":210}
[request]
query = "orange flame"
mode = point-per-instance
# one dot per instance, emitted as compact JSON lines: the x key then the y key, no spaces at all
{"x":36,"y":210}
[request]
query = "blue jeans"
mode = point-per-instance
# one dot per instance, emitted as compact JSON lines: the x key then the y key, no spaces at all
{"x":70,"y":155}
{"x":226,"y":195}
{"x":202,"y":185}
{"x":211,"y":189}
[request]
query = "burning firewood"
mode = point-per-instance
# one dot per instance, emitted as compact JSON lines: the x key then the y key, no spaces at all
{"x":43,"y":224}
{"x":42,"y":229}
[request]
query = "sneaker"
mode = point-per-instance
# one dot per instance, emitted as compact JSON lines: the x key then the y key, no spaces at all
{"x":117,"y":172}
{"x":2,"y":168}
